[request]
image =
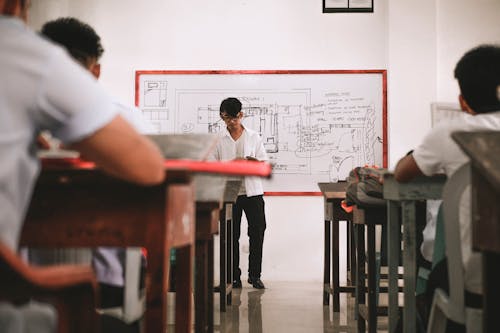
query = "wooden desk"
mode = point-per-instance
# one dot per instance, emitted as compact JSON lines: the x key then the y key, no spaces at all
{"x":226,"y":242}
{"x":483,"y":149}
{"x":333,"y":194}
{"x":83,"y":207}
{"x":405,"y":196}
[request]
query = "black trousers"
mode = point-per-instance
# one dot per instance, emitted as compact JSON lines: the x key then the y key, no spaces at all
{"x":254,"y":212}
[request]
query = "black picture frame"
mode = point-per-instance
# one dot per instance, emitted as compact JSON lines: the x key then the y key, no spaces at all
{"x":347,"y":6}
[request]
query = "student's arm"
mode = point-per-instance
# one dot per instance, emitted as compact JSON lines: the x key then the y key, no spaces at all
{"x":407,"y":169}
{"x":119,"y":150}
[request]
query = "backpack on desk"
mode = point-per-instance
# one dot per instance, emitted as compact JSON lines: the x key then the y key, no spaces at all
{"x":365,"y":187}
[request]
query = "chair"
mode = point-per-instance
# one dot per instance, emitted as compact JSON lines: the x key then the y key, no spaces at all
{"x":134,"y":299}
{"x":71,"y":288}
{"x":453,"y":306}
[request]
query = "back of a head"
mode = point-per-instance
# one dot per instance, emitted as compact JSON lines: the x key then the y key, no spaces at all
{"x":478,"y":75}
{"x":231,"y":106}
{"x":79,"y":38}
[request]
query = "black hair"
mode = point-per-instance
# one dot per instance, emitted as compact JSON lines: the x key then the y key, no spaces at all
{"x":231,"y":106}
{"x":478,"y":75}
{"x":79,"y":38}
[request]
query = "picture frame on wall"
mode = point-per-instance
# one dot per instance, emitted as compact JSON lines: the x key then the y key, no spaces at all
{"x":347,"y":6}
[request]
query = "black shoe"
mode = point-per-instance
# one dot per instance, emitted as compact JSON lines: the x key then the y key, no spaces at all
{"x":237,"y":284}
{"x":256,"y":283}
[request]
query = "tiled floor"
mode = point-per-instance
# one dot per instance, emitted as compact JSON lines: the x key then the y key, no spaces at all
{"x":284,"y":307}
{"x":288,"y":307}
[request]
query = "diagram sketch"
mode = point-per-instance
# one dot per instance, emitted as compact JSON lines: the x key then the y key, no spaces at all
{"x":314,"y":129}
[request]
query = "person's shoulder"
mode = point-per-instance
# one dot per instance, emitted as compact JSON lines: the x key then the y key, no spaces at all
{"x":32,"y":42}
{"x":250,"y":132}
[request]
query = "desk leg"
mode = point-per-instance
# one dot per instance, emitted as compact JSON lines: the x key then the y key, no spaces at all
{"x":183,"y":289}
{"x":326,"y":265}
{"x":372,"y":279}
{"x":155,"y":317}
{"x":210,"y":304}
{"x":222,"y":259}
{"x":229,"y":255}
{"x":335,"y":266}
{"x":359,"y":230}
{"x":201,"y":294}
{"x":351,"y":274}
{"x":409,"y":264}
{"x":393,"y":250}
{"x":491,"y":276}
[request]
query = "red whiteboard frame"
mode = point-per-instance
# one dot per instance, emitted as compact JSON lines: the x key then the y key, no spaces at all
{"x":383,"y":72}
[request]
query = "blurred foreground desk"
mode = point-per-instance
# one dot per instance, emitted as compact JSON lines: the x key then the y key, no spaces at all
{"x":483,"y":149}
{"x":405,"y":196}
{"x":76,"y":205}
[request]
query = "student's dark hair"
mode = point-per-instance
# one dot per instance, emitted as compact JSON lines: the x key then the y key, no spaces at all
{"x":231,"y":106}
{"x":478,"y":75}
{"x":79,"y":38}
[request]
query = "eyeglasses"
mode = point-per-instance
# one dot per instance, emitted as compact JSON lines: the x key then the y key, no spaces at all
{"x":226,"y":117}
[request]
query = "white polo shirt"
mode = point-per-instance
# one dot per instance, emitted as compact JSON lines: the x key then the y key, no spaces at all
{"x":41,"y":88}
{"x":226,"y":150}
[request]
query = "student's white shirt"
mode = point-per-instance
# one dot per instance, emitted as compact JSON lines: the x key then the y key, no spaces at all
{"x":135,"y":117}
{"x":41,"y":88}
{"x":438,"y":153}
{"x":226,"y":150}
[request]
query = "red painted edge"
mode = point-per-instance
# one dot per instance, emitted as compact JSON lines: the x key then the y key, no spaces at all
{"x":293,"y":194}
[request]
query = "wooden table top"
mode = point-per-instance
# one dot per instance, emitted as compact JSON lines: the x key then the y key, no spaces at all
{"x":483,"y":148}
{"x":333,"y":190}
{"x":420,"y":188}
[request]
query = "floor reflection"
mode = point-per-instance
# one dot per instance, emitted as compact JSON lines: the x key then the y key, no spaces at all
{"x":251,"y":312}
{"x":288,"y":307}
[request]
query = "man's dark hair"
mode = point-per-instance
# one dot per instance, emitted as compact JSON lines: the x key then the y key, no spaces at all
{"x":231,"y":106}
{"x":478,"y":75}
{"x":79,"y":38}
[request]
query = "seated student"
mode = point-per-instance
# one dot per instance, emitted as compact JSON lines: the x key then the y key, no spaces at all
{"x":478,"y":75}
{"x":41,"y":88}
{"x":84,"y":45}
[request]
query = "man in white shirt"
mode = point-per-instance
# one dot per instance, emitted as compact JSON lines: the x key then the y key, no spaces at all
{"x":478,"y":75}
{"x":41,"y":88}
{"x":239,"y":142}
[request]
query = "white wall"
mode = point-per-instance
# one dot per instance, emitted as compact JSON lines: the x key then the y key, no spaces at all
{"x":462,"y":25}
{"x":417,"y":43}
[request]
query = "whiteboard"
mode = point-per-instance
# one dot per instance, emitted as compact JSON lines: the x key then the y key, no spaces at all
{"x":445,"y":111}
{"x":316,"y":125}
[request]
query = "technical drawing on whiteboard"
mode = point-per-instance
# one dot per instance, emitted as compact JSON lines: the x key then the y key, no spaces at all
{"x":307,"y":142}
